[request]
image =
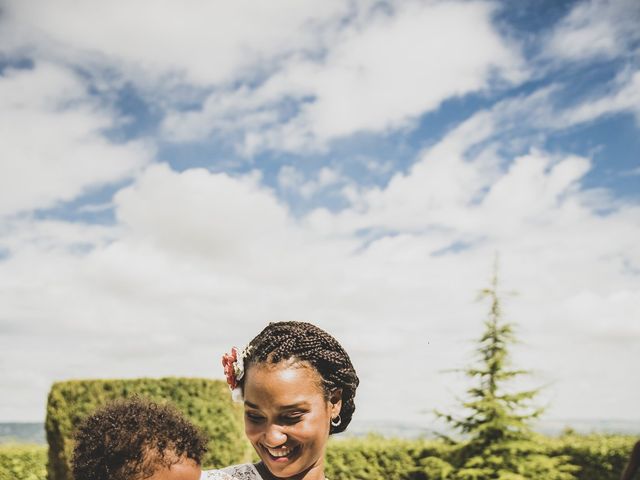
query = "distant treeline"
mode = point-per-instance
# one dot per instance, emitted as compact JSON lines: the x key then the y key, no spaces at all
{"x":32,"y":432}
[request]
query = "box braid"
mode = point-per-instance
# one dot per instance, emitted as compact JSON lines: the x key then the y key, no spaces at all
{"x":305,"y":342}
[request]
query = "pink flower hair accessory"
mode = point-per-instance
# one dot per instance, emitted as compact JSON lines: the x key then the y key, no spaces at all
{"x":233,"y":364}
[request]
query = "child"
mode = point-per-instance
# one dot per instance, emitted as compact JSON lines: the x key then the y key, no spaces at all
{"x":137,"y":439}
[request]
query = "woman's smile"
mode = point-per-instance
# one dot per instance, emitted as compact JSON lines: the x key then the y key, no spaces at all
{"x":298,"y":385}
{"x":287,"y":418}
{"x":282,"y":454}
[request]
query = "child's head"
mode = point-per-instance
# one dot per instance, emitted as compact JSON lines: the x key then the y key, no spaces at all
{"x":137,"y":439}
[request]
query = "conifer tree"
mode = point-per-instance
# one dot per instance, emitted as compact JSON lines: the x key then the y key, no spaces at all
{"x":499,"y":442}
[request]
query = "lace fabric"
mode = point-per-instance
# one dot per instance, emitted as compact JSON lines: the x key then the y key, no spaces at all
{"x":245,"y":471}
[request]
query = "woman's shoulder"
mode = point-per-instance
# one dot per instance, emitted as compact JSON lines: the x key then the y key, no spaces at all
{"x":245,"y":471}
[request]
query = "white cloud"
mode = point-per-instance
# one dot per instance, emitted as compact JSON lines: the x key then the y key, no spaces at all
{"x":197,"y":41}
{"x":595,"y":28}
{"x":632,"y":173}
{"x":520,"y":122}
{"x":291,"y":179}
{"x":215,"y":216}
{"x":383,"y":73}
{"x":438,"y":185}
{"x":399,"y":67}
{"x":543,"y":112}
{"x":53,"y":148}
{"x":377,"y":75}
{"x":609,"y":312}
{"x":199,"y":261}
{"x":336,"y":69}
{"x":625,"y":97}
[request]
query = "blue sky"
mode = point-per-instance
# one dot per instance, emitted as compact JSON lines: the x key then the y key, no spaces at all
{"x":176,"y":175}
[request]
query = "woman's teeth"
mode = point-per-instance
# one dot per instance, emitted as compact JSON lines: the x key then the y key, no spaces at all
{"x":280,"y":452}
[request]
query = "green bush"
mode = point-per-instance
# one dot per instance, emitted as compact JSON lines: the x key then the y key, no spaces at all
{"x":599,"y":457}
{"x":207,"y":403}
{"x":378,"y":458}
{"x":23,"y":462}
{"x":371,"y":458}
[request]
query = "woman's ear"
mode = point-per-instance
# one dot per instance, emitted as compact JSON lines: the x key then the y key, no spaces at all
{"x":336,"y":402}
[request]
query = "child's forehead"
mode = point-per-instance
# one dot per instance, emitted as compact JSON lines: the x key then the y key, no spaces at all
{"x":184,"y":469}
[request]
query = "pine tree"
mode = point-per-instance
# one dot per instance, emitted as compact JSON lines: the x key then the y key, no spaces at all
{"x":499,"y":441}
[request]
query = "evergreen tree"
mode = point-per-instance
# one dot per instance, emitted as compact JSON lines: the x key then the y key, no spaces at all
{"x":499,"y":442}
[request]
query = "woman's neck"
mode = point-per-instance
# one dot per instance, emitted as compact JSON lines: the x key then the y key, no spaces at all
{"x":315,"y":472}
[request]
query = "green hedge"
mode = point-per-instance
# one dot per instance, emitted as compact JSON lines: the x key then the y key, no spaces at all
{"x":379,"y":458}
{"x":599,"y":457}
{"x":207,"y":403}
{"x":23,"y":462}
{"x":371,"y":458}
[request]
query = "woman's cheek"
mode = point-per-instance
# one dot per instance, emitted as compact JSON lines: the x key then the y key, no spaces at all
{"x":310,"y":428}
{"x":251,"y":429}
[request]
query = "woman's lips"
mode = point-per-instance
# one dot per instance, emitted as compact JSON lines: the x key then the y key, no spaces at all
{"x":281,"y":454}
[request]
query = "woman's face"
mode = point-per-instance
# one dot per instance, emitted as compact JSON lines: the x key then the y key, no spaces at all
{"x":287,"y":418}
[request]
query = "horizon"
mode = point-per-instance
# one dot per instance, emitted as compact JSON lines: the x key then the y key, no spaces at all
{"x":174,"y":177}
{"x":390,"y":429}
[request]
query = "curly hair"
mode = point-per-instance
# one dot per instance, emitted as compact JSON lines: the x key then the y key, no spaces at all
{"x":131,"y":439}
{"x":307,"y":343}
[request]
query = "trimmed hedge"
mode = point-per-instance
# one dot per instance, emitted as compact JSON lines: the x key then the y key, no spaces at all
{"x":207,"y":403}
{"x":599,"y":457}
{"x":23,"y":462}
{"x":372,"y":458}
{"x":380,"y":458}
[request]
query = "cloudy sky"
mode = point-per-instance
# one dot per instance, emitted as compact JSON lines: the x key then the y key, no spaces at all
{"x":174,"y":175}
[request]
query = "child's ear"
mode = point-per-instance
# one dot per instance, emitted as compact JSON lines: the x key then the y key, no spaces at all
{"x":336,"y":402}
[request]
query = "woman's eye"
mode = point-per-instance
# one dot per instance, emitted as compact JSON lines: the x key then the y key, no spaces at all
{"x":252,"y":417}
{"x":293,"y":417}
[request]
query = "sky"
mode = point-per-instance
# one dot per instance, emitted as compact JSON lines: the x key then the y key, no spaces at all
{"x":175,"y":175}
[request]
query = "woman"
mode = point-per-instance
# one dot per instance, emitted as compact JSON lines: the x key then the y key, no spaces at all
{"x":634,"y":463}
{"x":298,"y":386}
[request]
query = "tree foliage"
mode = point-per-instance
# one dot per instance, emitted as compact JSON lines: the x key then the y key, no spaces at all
{"x":499,"y":442}
{"x":23,"y":462}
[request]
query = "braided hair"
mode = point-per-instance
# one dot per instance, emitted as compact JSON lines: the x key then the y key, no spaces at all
{"x":305,"y":342}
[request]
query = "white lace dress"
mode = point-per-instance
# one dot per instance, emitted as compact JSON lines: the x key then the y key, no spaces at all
{"x":246,"y":471}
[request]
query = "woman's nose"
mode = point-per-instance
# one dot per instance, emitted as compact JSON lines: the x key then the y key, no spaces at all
{"x":274,"y":436}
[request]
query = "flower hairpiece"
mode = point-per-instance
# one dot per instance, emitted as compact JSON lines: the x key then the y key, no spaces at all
{"x":233,"y":364}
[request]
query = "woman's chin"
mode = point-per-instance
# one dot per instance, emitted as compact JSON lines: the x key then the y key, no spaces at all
{"x":281,"y":465}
